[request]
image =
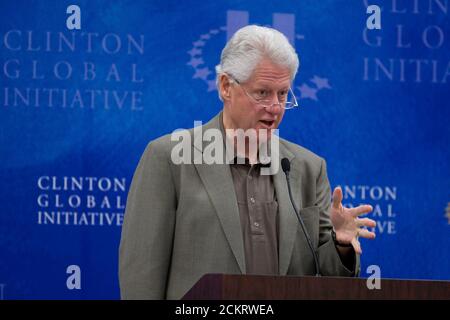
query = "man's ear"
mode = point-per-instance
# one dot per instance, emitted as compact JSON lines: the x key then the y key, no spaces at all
{"x":224,"y":87}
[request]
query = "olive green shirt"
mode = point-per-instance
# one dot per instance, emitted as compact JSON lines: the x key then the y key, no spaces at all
{"x":258,"y":211}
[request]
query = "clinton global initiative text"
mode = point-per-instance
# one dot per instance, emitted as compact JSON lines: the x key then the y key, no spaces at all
{"x":74,"y":218}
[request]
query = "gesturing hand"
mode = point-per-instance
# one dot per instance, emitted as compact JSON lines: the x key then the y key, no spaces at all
{"x":347,"y":225}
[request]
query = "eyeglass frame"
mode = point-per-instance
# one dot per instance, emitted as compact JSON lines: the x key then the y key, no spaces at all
{"x":294,"y":104}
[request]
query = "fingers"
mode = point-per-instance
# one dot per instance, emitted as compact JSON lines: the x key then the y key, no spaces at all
{"x":366,"y":222}
{"x":356,"y":245}
{"x":359,"y":210}
{"x":337,"y":197}
{"x":366,"y":234}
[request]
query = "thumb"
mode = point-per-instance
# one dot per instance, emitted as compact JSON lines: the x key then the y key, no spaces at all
{"x":337,"y":197}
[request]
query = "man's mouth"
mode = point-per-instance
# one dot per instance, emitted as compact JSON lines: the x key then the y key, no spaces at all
{"x":267,"y":123}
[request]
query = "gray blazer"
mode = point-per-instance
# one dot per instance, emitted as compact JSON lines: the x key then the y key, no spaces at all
{"x":182,"y":221}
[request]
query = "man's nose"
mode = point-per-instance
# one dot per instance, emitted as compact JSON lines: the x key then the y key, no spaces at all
{"x":275,"y":108}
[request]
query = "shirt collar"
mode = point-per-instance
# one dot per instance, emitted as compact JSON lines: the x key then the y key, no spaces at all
{"x":237,"y":159}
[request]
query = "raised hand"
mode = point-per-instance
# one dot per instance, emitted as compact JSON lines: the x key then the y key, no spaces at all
{"x":347,"y":225}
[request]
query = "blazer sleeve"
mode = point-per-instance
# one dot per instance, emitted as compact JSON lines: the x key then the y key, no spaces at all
{"x":147,"y":232}
{"x":329,"y":259}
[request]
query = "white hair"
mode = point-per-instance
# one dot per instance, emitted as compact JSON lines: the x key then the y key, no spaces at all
{"x":248,"y":46}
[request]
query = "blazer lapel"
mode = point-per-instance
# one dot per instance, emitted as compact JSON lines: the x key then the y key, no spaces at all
{"x":288,"y":224}
{"x":219,"y":185}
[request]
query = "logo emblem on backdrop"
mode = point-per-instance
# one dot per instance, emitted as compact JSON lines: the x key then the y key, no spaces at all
{"x":283,"y":22}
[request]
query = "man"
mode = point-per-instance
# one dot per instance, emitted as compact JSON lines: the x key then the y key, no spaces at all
{"x":184,"y":220}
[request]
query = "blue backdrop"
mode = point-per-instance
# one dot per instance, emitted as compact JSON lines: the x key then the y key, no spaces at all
{"x":77,"y":109}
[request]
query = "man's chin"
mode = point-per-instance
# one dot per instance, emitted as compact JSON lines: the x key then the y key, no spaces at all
{"x":264,"y":135}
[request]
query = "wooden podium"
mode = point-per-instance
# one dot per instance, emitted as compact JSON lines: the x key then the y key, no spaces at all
{"x":252,"y":287}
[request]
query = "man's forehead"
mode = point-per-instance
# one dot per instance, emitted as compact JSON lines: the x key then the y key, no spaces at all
{"x":271,"y":80}
{"x":275,"y":70}
{"x":267,"y":72}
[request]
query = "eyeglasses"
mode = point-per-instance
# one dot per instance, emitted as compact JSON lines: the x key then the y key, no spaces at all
{"x":286,"y":100}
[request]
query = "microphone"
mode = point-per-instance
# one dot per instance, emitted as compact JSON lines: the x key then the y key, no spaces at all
{"x":286,"y":166}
